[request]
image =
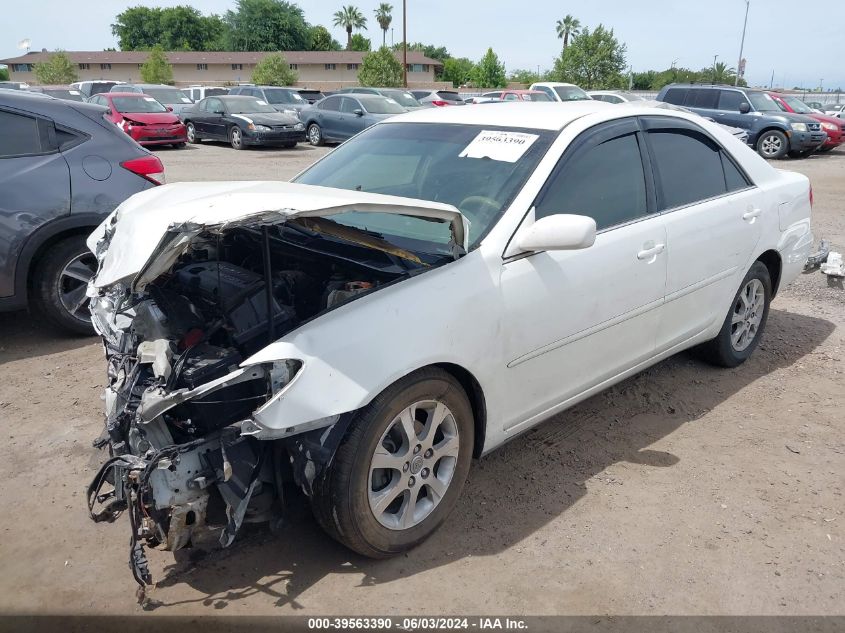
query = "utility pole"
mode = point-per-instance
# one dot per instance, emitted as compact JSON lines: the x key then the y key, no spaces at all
{"x":714,"y":67}
{"x":742,"y":44}
{"x":405,"y":43}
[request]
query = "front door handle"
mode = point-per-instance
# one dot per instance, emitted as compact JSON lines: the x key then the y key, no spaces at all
{"x":650,"y":252}
{"x":751,"y":215}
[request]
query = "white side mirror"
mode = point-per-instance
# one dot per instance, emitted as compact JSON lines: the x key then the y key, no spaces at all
{"x":559,"y":232}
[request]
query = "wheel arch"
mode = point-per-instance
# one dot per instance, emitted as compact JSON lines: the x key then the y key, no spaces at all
{"x":41,"y":241}
{"x":477,"y":401}
{"x":772,"y":261}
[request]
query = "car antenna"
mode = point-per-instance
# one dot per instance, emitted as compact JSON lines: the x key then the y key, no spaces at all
{"x":268,"y":286}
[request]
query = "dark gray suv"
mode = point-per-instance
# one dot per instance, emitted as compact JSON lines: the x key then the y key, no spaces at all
{"x":772,"y":132}
{"x":63,"y":168}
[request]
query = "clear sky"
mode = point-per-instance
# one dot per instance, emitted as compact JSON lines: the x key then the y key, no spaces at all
{"x":800,"y":43}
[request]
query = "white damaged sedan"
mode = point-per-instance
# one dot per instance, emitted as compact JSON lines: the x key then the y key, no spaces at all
{"x":430,"y":289}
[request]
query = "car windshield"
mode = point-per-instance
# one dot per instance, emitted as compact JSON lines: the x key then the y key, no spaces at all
{"x":380,"y":105}
{"x":211,"y":92}
{"x":762,"y":102}
{"x":797,"y":105}
{"x":404,"y":99}
{"x":571,"y":93}
{"x":535,"y":96}
{"x":247,"y":105}
{"x":167,"y":95}
{"x":137,"y":104}
{"x":455,"y":164}
{"x":448,"y":96}
{"x":282,"y":96}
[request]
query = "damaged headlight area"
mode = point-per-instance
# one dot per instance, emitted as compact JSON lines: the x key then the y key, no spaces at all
{"x":189,"y":458}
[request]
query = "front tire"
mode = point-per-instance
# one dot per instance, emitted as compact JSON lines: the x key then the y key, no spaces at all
{"x":191,"y":132}
{"x":400,"y":470}
{"x":236,"y":138}
{"x":315,"y":135}
{"x":772,"y":144}
{"x":743,"y":327}
{"x":60,"y":281}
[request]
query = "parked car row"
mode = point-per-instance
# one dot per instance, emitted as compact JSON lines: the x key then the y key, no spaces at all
{"x":774,"y":127}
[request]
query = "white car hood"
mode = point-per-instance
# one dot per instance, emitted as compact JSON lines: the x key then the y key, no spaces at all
{"x":147,"y":233}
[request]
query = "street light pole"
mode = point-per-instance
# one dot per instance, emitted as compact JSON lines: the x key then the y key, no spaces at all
{"x":742,"y":43}
{"x":714,"y":67}
{"x":405,"y":43}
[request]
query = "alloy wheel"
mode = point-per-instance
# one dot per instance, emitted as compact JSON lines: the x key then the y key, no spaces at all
{"x":747,"y":314}
{"x":413,"y":465}
{"x":314,"y":135}
{"x":236,"y":138}
{"x":73,"y":284}
{"x":771,"y":145}
{"x":191,"y":133}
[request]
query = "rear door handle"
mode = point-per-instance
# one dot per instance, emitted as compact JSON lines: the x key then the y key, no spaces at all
{"x":651,"y":252}
{"x":751,"y":215}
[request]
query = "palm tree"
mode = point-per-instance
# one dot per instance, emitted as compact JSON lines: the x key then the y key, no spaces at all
{"x":722,"y":74}
{"x":350,"y":18}
{"x":567,"y":27}
{"x":384,"y":18}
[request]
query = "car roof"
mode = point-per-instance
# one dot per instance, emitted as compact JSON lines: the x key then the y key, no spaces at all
{"x":538,"y":115}
{"x":138,"y":95}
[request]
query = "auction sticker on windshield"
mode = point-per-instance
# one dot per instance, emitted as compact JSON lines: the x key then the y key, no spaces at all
{"x":497,"y":145}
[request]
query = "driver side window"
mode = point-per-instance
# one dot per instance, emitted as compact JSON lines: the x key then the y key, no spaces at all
{"x":349,"y":105}
{"x":604,"y":180}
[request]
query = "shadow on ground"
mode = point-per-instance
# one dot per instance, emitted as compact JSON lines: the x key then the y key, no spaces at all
{"x":512,"y":492}
{"x":25,"y":335}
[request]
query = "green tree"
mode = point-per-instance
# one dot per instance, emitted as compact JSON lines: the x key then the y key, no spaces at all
{"x":718,"y":74}
{"x":429,"y":50}
{"x":266,"y":25}
{"x":273,"y":70}
{"x":56,"y":70}
{"x":4,"y":74}
{"x":526,"y":77}
{"x":594,"y":60}
{"x":384,"y":17}
{"x":157,"y":70}
{"x":361,"y":43}
{"x":489,"y":72}
{"x":458,"y":70}
{"x":381,"y":68}
{"x":566,"y":28}
{"x":320,"y":39}
{"x":173,"y":28}
{"x":643,"y":80}
{"x":349,"y":18}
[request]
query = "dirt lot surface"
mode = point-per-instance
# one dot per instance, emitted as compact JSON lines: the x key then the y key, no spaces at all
{"x":685,"y":490}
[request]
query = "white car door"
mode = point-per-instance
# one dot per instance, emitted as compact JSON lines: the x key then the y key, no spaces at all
{"x":712,"y":213}
{"x":574,"y":320}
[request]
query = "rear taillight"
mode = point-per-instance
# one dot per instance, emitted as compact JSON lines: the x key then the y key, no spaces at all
{"x":440,"y":103}
{"x":148,"y":167}
{"x":811,"y":196}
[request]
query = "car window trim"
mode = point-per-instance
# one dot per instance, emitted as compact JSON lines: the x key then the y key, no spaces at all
{"x":650,"y":122}
{"x":600,"y":133}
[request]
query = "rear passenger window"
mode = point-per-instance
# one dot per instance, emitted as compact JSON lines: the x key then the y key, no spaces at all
{"x":19,"y":134}
{"x":675,"y":96}
{"x":702,"y":98}
{"x":605,"y":182}
{"x":734,"y":179}
{"x":688,"y":167}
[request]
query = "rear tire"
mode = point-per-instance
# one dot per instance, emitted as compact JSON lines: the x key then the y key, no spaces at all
{"x":59,"y":282}
{"x":421,"y":480}
{"x":743,"y":326}
{"x":772,"y":144}
{"x":315,"y":135}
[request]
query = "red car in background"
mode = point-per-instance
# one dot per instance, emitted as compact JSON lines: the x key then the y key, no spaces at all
{"x":834,"y":127}
{"x":143,"y":118}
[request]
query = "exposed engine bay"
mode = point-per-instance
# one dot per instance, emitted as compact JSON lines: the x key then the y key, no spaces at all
{"x":186,"y":463}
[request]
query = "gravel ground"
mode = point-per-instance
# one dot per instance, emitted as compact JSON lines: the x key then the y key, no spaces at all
{"x":684,"y":490}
